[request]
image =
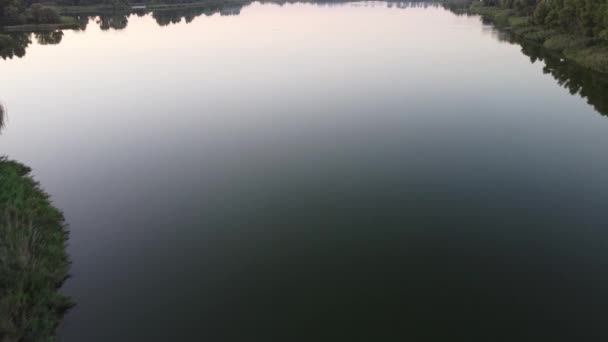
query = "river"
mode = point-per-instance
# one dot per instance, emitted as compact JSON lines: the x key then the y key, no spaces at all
{"x":328,"y":172}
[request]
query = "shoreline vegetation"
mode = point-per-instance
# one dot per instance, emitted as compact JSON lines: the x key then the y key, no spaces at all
{"x":574,"y":30}
{"x":569,"y":36}
{"x":33,"y":259}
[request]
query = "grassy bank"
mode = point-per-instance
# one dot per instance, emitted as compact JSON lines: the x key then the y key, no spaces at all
{"x":33,"y":260}
{"x":589,"y":52}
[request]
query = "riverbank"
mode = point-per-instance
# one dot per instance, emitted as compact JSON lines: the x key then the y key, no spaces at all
{"x":33,"y":259}
{"x":588,"y":52}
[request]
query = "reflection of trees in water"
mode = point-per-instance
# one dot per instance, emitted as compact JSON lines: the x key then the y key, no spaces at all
{"x":589,"y":85}
{"x":116,"y":21}
{"x":83,"y":22}
{"x":174,"y":16}
{"x":14,"y":45}
{"x":49,"y":38}
{"x":166,"y":16}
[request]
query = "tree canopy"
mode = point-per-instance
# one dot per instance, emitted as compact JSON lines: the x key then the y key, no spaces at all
{"x":587,"y":17}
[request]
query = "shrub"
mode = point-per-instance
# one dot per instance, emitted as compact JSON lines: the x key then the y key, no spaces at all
{"x":595,"y":57}
{"x":518,"y":21}
{"x":540,"y":35}
{"x":562,"y":42}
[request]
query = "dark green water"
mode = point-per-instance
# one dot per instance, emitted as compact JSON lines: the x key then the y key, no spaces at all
{"x":337,"y":173}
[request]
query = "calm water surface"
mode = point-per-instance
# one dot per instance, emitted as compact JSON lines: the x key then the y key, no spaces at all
{"x":306,"y":172}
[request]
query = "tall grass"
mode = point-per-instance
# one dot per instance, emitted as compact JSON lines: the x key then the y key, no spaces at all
{"x":33,"y":260}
